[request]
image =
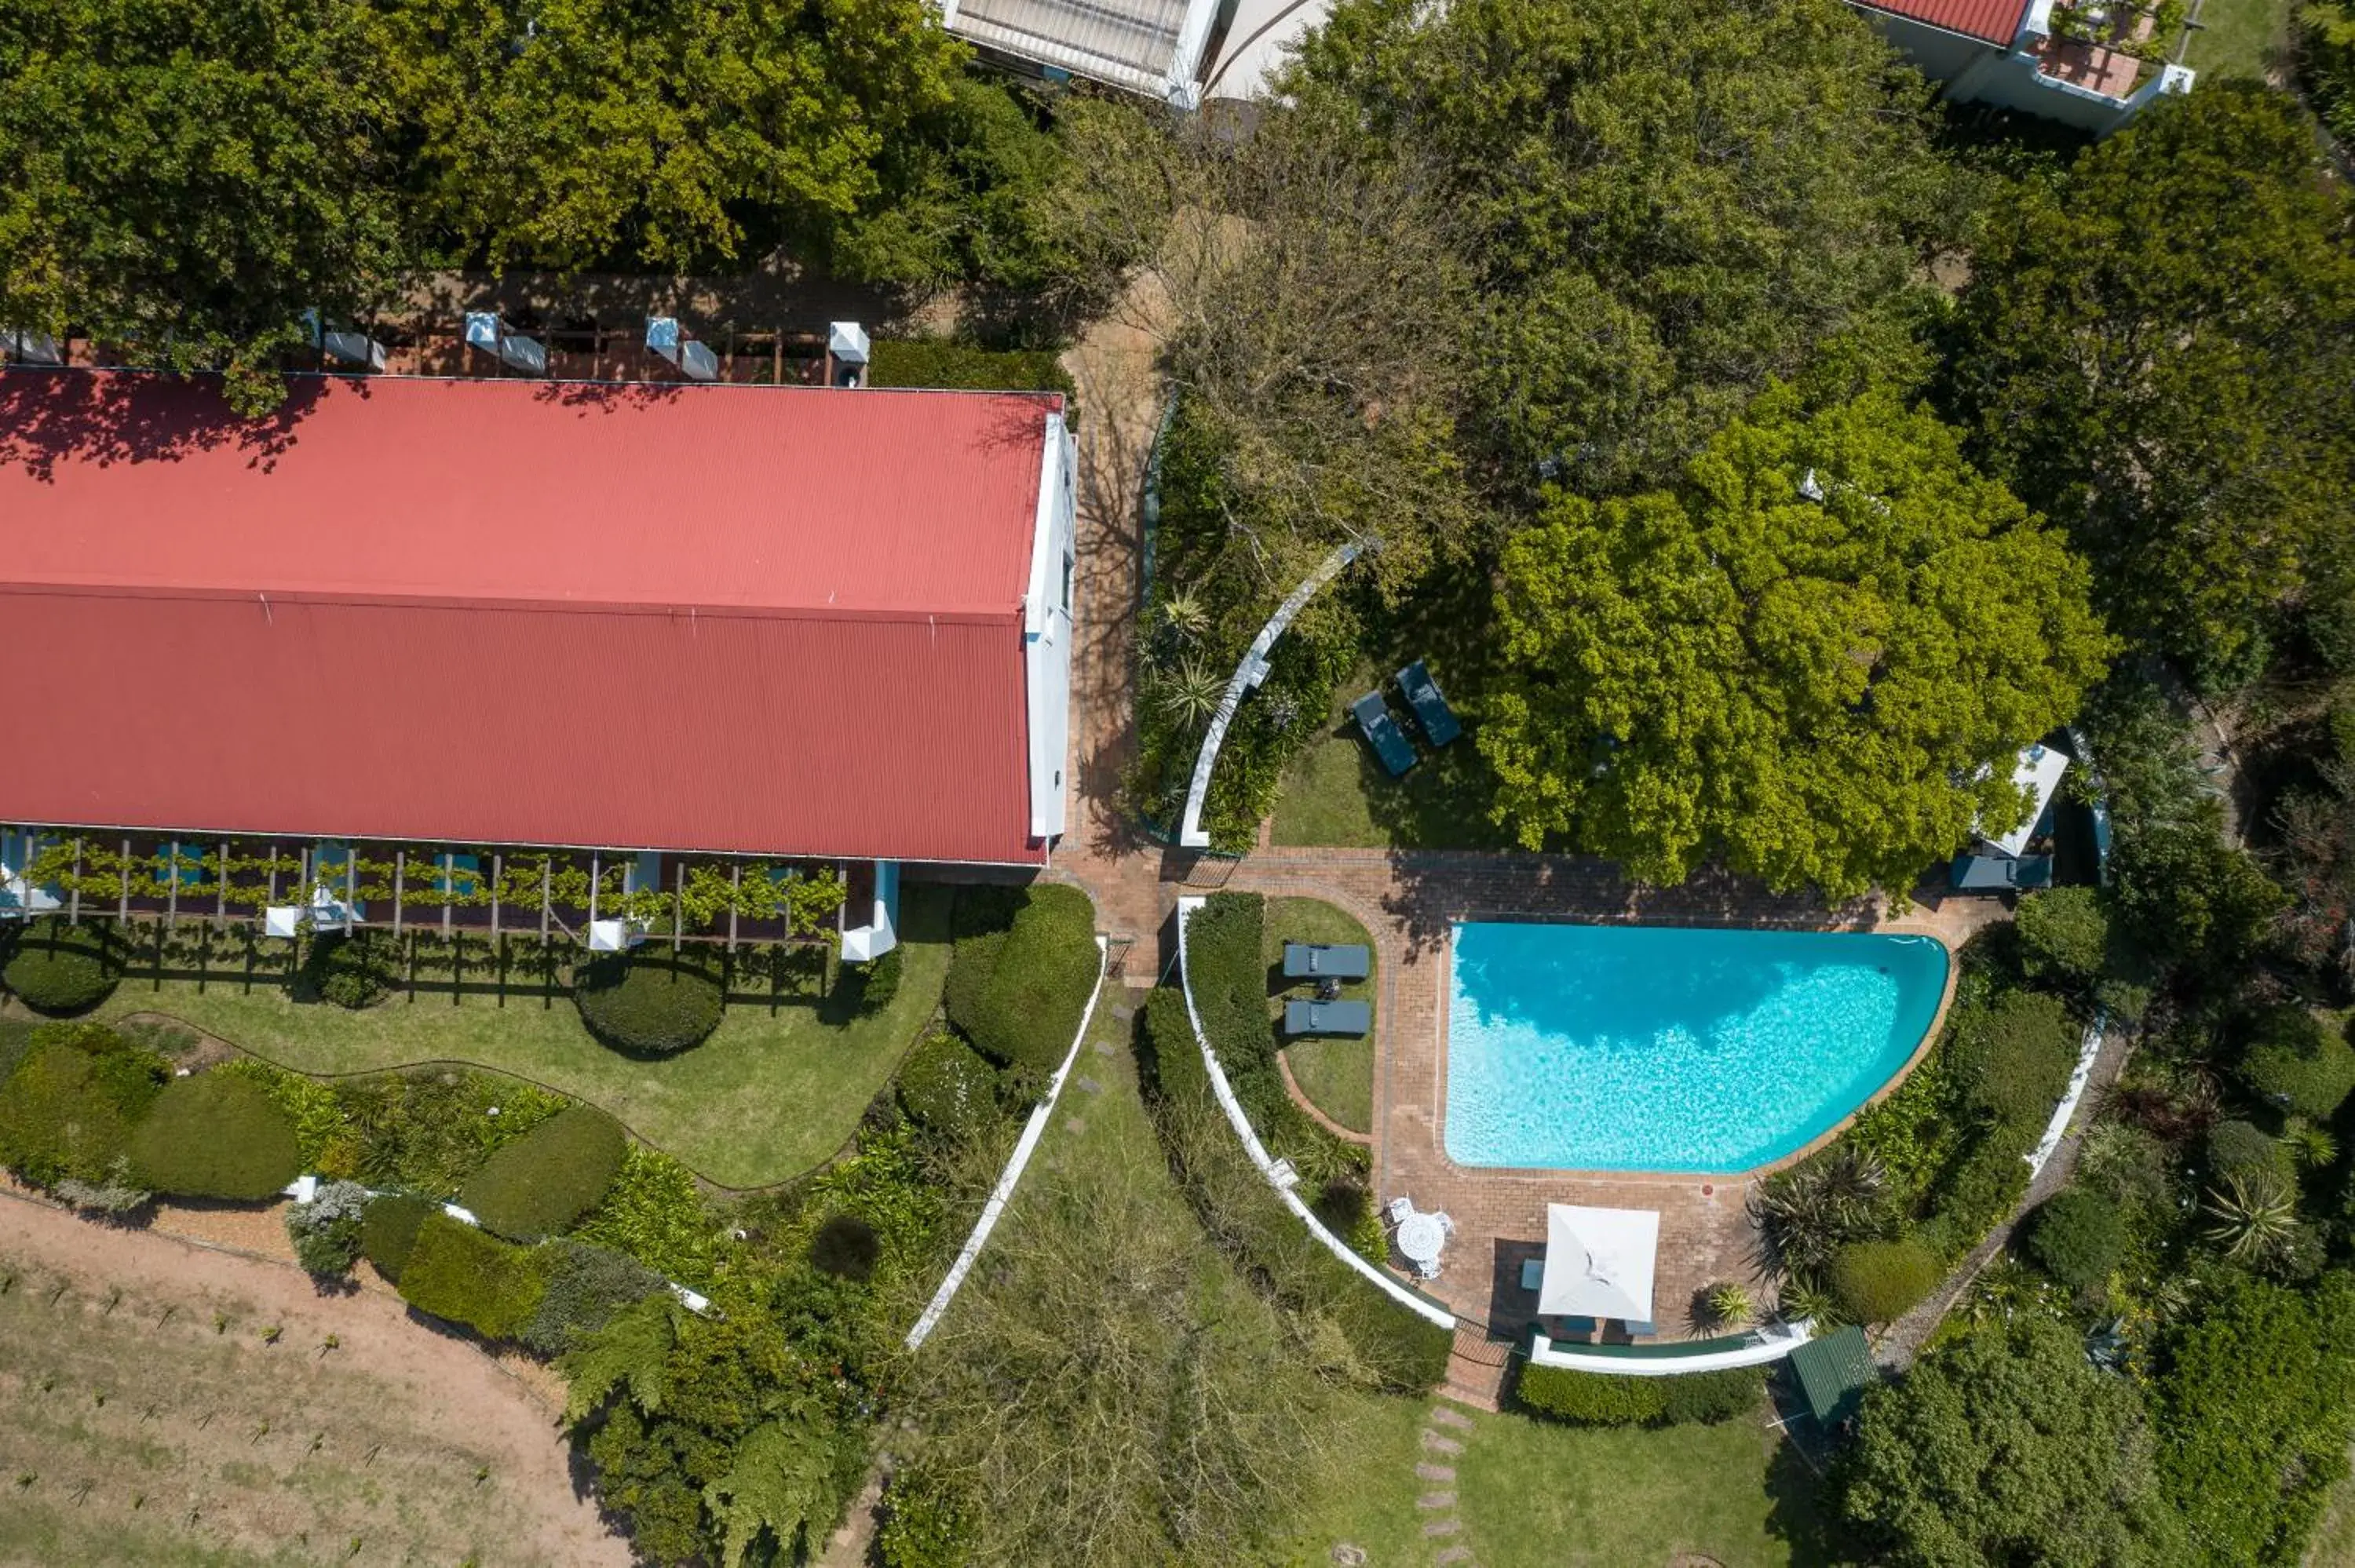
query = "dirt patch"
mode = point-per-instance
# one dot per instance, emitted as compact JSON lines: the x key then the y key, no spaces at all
{"x":154,"y":1416}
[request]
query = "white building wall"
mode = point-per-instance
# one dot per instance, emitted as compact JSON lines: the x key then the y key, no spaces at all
{"x":1046,"y":630}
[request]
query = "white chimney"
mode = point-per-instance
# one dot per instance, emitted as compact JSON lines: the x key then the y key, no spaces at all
{"x":846,"y":349}
{"x":487,"y":332}
{"x":695,"y":360}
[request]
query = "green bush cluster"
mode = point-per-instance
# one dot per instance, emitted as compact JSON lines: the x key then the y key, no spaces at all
{"x":2017,"y":1055}
{"x":1880,"y":1281}
{"x":60,"y":968}
{"x":2326,"y":61}
{"x":470,"y":1276}
{"x":947,"y":1089}
{"x":546,"y":1179}
{"x":424,"y":1131}
{"x":2076,"y":1237}
{"x":587,"y":1287}
{"x":658,"y":1215}
{"x":846,"y":1246}
{"x":68,"y":1110}
{"x":939,"y":363}
{"x":1400,"y":1349}
{"x":1614,"y":1399}
{"x":646,"y":1004}
{"x":879,"y":979}
{"x":1017,"y":990}
{"x":388,"y":1230}
{"x":2295,"y":1064}
{"x":216,"y":1135}
{"x":351,"y":969}
{"x":326,"y":1230}
{"x":2237,"y":1148}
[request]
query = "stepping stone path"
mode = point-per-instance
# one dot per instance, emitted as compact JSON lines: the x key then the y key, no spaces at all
{"x":1091,"y":1085}
{"x":1077,"y":1124}
{"x":1103,"y":1047}
{"x":1123,"y":1012}
{"x":1448,"y":1431}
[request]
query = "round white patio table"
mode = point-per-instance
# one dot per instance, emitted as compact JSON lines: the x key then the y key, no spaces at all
{"x":1420,"y":1237}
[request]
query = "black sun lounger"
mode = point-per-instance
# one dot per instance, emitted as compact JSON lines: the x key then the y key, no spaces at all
{"x":1327,"y":1017}
{"x":1431,"y":709}
{"x":1389,"y":742}
{"x":1327,"y":960}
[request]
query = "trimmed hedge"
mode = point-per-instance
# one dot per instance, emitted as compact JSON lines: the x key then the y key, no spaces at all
{"x":934,"y":362}
{"x":947,"y":1089}
{"x":2018,"y":1057}
{"x":61,"y":970}
{"x":217,"y":1135}
{"x":67,"y":1111}
{"x":545,"y":1180}
{"x":2243,"y":1146}
{"x":2294,"y":1062}
{"x":650,"y":1006}
{"x":388,"y":1230}
{"x":1615,"y":1399}
{"x":1880,"y":1281}
{"x":1021,"y":993}
{"x":471,"y":1276}
{"x":2076,"y":1237}
{"x":1400,"y":1349}
{"x":351,"y":969}
{"x":878,"y":981}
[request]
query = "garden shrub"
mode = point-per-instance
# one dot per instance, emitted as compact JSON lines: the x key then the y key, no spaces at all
{"x":947,"y":1089}
{"x":923,"y":1524}
{"x":2018,"y":1057}
{"x":470,"y":1276}
{"x":939,"y":363}
{"x":1706,"y":1399}
{"x":59,"y":968}
{"x":2239,"y":1147}
{"x":326,"y":1230}
{"x":878,"y":981}
{"x":1400,"y":1349}
{"x":1040,"y":977}
{"x":429,"y":1131}
{"x":650,"y":1005}
{"x":216,"y":1135}
{"x":587,"y":1287}
{"x":545,"y":1180}
{"x":388,"y":1230}
{"x":846,"y":1246}
{"x":656,"y":1214}
{"x":2064,"y":935}
{"x":67,"y":1111}
{"x":1594,"y":1399}
{"x":2294,"y":1062}
{"x":351,"y":969}
{"x":2076,"y":1236}
{"x":1880,"y":1281}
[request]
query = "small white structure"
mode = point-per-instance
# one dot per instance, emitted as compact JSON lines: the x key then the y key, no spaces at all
{"x":694,"y":360}
{"x":1046,"y":635}
{"x":1598,"y":1264}
{"x":19,"y":896}
{"x":333,"y":904}
{"x":864,"y":943}
{"x":848,"y":350}
{"x":487,"y":332}
{"x":1259,"y":41}
{"x":29,"y":347}
{"x":353,"y":350}
{"x":282,"y":920}
{"x":2000,"y":862}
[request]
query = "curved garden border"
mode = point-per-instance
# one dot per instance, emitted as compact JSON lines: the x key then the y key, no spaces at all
{"x":1761,"y":1347}
{"x":1004,"y":1192}
{"x":1249,"y":674}
{"x":1420,"y":1306}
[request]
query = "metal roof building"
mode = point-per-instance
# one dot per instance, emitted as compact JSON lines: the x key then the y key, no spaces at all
{"x":1153,"y":47}
{"x":756,"y":620}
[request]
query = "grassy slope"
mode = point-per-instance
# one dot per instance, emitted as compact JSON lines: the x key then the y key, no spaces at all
{"x":1533,"y":1496}
{"x":2239,"y":38}
{"x":774,"y":1091}
{"x":1337,"y":1075}
{"x":1336,"y":794}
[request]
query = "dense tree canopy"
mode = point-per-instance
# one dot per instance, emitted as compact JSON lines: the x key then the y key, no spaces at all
{"x":2158,"y":352}
{"x":2008,"y":1448}
{"x":188,"y":175}
{"x":1823,"y":693}
{"x":1667,"y":201}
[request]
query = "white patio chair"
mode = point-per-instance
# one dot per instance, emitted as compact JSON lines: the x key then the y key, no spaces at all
{"x":1398,"y":1209}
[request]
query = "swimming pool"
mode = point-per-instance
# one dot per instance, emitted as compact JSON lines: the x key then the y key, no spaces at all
{"x":1659,"y":1048}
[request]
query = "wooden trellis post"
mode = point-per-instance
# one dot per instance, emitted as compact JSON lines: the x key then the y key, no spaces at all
{"x":273,"y":871}
{"x":399,"y":863}
{"x":220,"y":896}
{"x":352,"y":883}
{"x":123,"y":910}
{"x":73,"y":894}
{"x":596,"y":870}
{"x":498,"y":873}
{"x":546,"y":892}
{"x":677,"y":905}
{"x":735,"y":899}
{"x":449,"y":889}
{"x":171,"y":883}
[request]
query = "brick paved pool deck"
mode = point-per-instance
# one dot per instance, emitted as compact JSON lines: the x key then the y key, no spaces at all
{"x":1408,"y":902}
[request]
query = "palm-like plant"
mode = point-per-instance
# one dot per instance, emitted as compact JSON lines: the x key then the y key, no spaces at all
{"x":1192,"y":693}
{"x":1183,"y":613}
{"x":1729,"y":1306}
{"x":2310,"y":1145}
{"x":1802,"y":1297}
{"x":1810,"y":1212}
{"x":2254,"y":1215}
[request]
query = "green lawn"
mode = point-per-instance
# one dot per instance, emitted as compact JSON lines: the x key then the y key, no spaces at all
{"x":1336,"y":793}
{"x":1337,"y":1075}
{"x":2334,"y":1539}
{"x":2239,"y":38}
{"x":777,"y":1089}
{"x":1532,"y":1495}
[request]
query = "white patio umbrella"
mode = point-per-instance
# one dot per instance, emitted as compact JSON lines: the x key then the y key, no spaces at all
{"x":1598,"y":1263}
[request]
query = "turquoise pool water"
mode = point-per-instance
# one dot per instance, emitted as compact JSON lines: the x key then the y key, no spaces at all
{"x":1659,"y":1048}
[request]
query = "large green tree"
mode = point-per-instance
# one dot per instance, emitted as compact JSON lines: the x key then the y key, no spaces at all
{"x":2158,"y":353}
{"x":185,"y":177}
{"x":2008,"y":1447}
{"x":1666,"y":201}
{"x":568,"y":133}
{"x":1823,"y":693}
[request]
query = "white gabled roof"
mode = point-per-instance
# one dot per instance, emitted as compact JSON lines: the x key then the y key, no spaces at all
{"x":2038,"y":771}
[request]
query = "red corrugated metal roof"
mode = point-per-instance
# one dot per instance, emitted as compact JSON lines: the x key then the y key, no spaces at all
{"x":1996,"y":21}
{"x":765,"y":621}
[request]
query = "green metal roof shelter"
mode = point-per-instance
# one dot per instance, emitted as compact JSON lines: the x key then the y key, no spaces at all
{"x":1833,"y":1373}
